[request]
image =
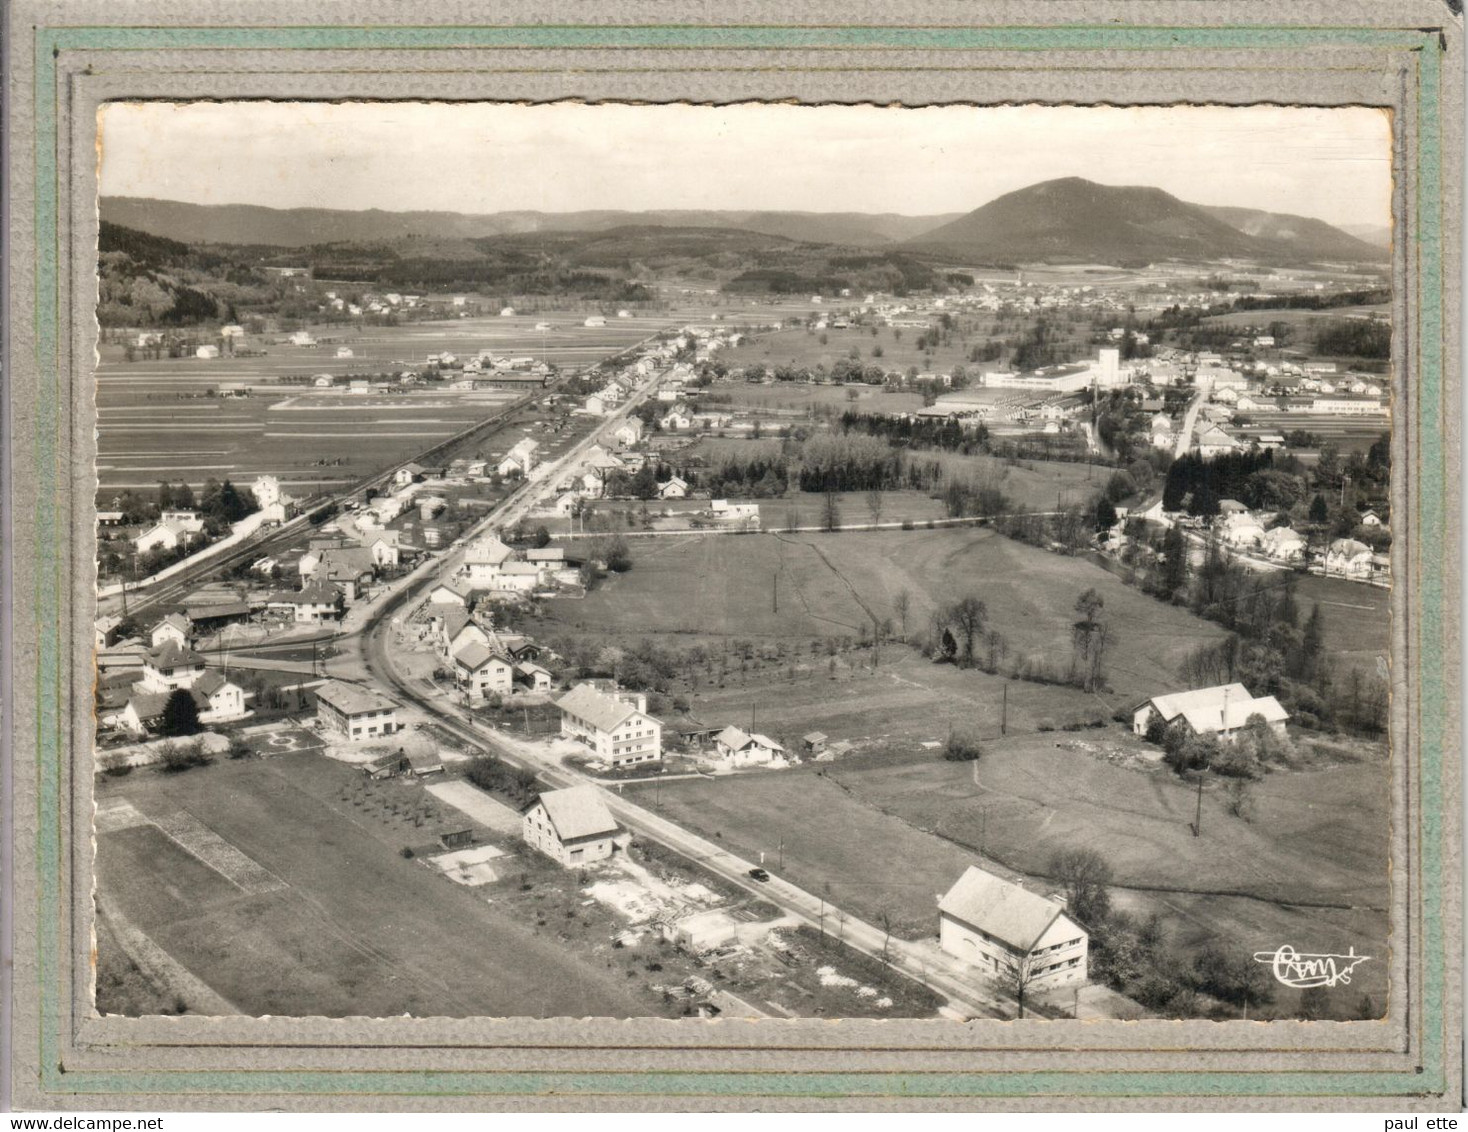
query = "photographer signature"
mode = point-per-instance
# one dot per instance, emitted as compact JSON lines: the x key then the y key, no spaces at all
{"x":1296,"y":970}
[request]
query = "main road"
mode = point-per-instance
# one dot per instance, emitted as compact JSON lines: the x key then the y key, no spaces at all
{"x":374,"y":661}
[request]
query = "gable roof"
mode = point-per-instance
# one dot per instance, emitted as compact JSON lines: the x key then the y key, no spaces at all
{"x":1006,"y":911}
{"x":352,"y":700}
{"x":602,"y":711}
{"x":170,"y":654}
{"x":488,"y":550}
{"x":315,"y":593}
{"x":177,"y":620}
{"x":734,"y":737}
{"x":475,"y":656}
{"x":578,"y":812}
{"x":1225,"y":706}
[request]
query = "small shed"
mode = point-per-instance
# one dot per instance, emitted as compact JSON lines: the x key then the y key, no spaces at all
{"x":815,"y":742}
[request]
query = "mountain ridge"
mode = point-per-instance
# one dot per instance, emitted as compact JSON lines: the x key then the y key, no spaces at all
{"x":251,"y":225}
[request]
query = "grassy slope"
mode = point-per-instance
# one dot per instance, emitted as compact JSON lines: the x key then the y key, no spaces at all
{"x":829,"y":584}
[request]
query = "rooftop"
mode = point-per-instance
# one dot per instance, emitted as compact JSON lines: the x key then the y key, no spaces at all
{"x":1006,"y":911}
{"x":352,"y":700}
{"x":578,"y":812}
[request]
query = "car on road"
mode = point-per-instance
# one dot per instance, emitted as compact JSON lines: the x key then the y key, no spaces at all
{"x":759,"y":874}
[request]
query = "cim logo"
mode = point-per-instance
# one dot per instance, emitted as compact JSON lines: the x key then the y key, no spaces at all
{"x":1304,"y":971}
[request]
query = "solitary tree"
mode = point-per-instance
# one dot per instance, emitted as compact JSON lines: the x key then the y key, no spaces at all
{"x":180,"y":714}
{"x":902,"y":606}
{"x":1089,"y":639}
{"x":874,"y":505}
{"x":968,"y":615}
{"x":1174,"y":562}
{"x":1084,"y":875}
{"x":1019,"y":974}
{"x":831,"y":512}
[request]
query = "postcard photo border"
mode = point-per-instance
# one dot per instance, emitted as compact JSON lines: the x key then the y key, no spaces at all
{"x":50,"y":532}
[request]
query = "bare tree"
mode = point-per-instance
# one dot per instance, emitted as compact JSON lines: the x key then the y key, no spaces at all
{"x":1084,"y":875}
{"x":967,"y":616}
{"x":831,"y":512}
{"x":874,"y":505}
{"x":902,"y":606}
{"x":1019,"y":974}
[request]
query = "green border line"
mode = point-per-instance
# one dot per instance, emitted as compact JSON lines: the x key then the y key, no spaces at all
{"x":52,"y":586}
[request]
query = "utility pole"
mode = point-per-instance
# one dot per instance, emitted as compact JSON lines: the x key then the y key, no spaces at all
{"x":1004,"y":711}
{"x":1198,"y":813}
{"x":775,"y":592}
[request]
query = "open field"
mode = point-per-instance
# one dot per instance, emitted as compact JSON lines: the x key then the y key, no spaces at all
{"x":157,"y":420}
{"x":804,"y":349}
{"x":803,"y":399}
{"x":344,"y":934}
{"x":832,"y":584}
{"x":889,"y":833}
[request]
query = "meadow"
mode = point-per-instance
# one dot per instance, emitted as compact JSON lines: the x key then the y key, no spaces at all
{"x":886,"y":833}
{"x":776,"y":586}
{"x":345,"y":930}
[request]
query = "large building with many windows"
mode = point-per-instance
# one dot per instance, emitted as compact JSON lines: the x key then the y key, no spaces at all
{"x":1010,"y":933}
{"x":352,"y":713}
{"x":614,"y":727}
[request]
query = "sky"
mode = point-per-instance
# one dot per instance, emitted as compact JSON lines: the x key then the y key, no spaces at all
{"x":1329,"y":163}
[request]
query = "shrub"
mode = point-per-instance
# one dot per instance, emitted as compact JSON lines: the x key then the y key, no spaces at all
{"x":122,"y":770}
{"x":406,"y":852}
{"x":179,"y":757}
{"x":962,"y":749}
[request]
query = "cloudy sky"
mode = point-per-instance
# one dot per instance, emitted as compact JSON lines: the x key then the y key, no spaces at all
{"x":1329,"y":163}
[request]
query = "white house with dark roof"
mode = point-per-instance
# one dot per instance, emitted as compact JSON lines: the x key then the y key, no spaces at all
{"x":353,"y":713}
{"x":483,"y":671}
{"x":618,"y":731}
{"x":1005,"y":930}
{"x":171,"y":666}
{"x":216,"y":698}
{"x":572,"y":827}
{"x":312,"y":604}
{"x":1221,"y":711}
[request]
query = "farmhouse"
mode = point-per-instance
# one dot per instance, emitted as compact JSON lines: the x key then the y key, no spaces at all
{"x":354,"y":713}
{"x":485,"y":558}
{"x":618,"y":732}
{"x":482,"y":671}
{"x":572,"y":827}
{"x":739,"y":748}
{"x":1010,"y":933}
{"x":1221,"y":711}
{"x":674,"y":488}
